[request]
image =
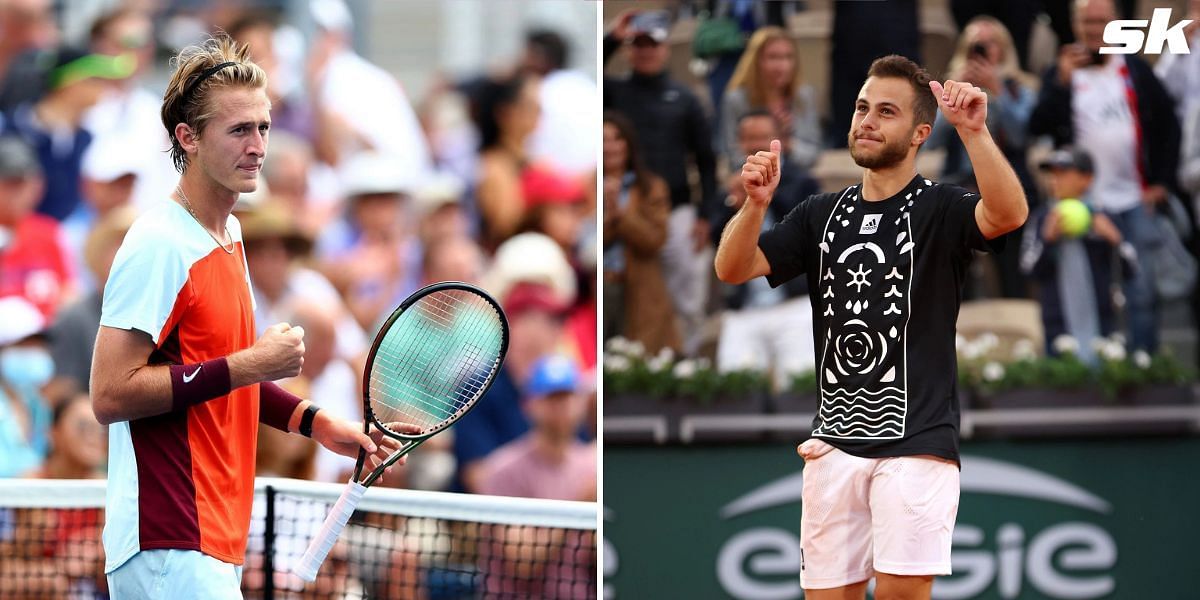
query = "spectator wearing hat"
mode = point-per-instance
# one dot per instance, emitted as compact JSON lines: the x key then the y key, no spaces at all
{"x":554,"y":207}
{"x":1114,"y":107}
{"x":535,"y":317}
{"x":372,"y":256}
{"x":1069,"y":252}
{"x":109,"y":179}
{"x":127,"y":121}
{"x":25,"y":366}
{"x":533,"y":257}
{"x":440,"y":209}
{"x":675,"y":132}
{"x":72,"y":82}
{"x":76,"y":324}
{"x":34,"y":261}
{"x":550,"y":461}
{"x":275,"y":253}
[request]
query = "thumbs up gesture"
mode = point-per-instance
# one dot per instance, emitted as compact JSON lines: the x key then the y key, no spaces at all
{"x":963,"y":105}
{"x":760,"y":175}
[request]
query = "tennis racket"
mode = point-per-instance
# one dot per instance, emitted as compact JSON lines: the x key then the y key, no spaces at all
{"x":431,"y":362}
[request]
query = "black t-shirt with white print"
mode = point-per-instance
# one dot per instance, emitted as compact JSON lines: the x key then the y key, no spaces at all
{"x":886,"y":280}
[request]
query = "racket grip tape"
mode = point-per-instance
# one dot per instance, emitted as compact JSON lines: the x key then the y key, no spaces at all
{"x":320,"y":546}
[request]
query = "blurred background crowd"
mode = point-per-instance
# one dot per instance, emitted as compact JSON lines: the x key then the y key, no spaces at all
{"x":408,"y":145}
{"x":1107,"y":148}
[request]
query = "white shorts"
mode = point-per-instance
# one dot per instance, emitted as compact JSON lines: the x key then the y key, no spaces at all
{"x":862,"y":515}
{"x":175,"y":575}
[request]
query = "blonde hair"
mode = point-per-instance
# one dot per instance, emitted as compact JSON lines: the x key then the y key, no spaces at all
{"x":746,"y":73}
{"x":1008,"y":68}
{"x":187,"y":97}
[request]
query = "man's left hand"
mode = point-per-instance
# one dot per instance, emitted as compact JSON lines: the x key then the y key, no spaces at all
{"x":345,"y":438}
{"x":963,"y":105}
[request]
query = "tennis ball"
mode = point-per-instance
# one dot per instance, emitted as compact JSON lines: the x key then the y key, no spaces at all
{"x":1074,"y":217}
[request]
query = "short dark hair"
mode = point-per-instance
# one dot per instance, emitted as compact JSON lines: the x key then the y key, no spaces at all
{"x":551,"y":46}
{"x":105,"y":21}
{"x":900,"y":67}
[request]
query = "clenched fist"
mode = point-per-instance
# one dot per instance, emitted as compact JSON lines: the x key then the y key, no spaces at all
{"x":279,"y":353}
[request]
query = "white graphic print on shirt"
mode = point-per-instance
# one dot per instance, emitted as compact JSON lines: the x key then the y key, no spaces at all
{"x":865,"y":285}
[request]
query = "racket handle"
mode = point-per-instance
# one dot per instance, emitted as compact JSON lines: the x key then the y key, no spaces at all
{"x":320,"y":546}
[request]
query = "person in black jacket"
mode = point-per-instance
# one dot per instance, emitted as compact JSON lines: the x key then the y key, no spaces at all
{"x":758,"y":328}
{"x":1113,"y":107}
{"x":673,"y":128}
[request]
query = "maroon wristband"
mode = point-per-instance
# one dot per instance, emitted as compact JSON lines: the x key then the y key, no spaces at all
{"x":276,"y":405}
{"x":200,"y":382}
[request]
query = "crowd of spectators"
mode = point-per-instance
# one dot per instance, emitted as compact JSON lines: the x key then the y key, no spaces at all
{"x":739,"y":84}
{"x":367,"y":194}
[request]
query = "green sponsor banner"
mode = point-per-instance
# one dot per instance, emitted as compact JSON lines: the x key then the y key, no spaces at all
{"x":1037,"y":519}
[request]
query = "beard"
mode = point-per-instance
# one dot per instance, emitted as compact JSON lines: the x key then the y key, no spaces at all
{"x":889,"y":154}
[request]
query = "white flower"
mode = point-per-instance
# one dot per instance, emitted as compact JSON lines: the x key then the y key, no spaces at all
{"x":960,"y":342}
{"x":993,"y":371}
{"x":1099,"y":344}
{"x":616,"y":345}
{"x":973,"y":350}
{"x":635,"y":349}
{"x":658,"y":364}
{"x":1141,"y":359}
{"x":1024,"y":349}
{"x":1117,"y":338}
{"x":1065,"y":344}
{"x":666,"y":354}
{"x":616,"y":363}
{"x":684,"y":369}
{"x":1113,"y":351}
{"x":988,"y":341}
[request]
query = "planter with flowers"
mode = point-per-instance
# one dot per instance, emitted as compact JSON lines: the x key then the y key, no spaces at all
{"x":1015,"y":376}
{"x":636,"y":384}
{"x":997,"y":377}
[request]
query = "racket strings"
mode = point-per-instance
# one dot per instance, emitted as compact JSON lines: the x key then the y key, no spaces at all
{"x":436,"y":359}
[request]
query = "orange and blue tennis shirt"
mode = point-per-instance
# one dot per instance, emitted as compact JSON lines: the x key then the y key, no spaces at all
{"x":184,"y":479}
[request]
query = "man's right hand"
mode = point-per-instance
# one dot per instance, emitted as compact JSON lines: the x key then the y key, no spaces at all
{"x":279,"y":353}
{"x":760,"y":175}
{"x":620,"y":29}
{"x":1071,"y":57}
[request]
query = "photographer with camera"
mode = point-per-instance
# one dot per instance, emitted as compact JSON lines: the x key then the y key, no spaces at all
{"x":986,"y":57}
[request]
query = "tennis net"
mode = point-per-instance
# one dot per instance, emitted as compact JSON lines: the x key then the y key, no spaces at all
{"x":400,"y":544}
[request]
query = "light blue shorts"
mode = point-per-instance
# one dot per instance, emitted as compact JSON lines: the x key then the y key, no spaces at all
{"x":177,"y":575}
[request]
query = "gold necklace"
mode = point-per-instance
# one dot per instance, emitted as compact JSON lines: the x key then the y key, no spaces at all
{"x":188,"y":205}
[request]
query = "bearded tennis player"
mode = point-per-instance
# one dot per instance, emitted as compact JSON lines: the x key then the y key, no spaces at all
{"x":886,"y":260}
{"x":177,"y":374}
